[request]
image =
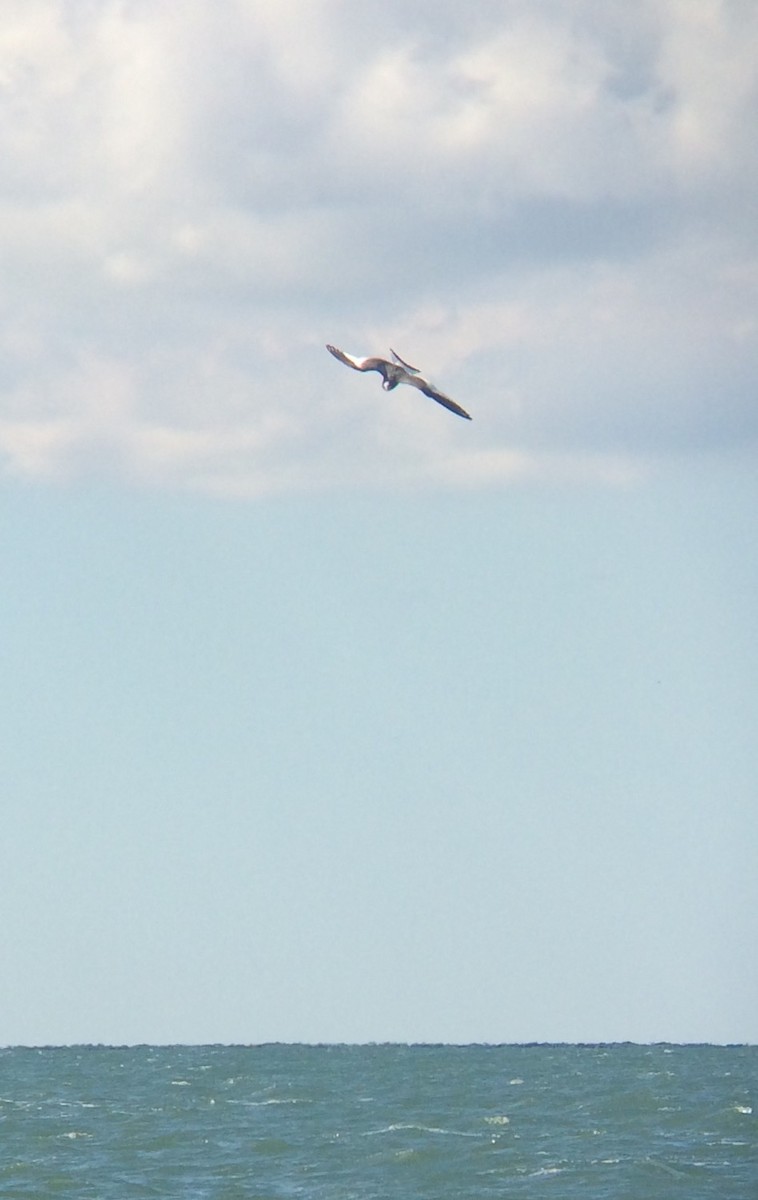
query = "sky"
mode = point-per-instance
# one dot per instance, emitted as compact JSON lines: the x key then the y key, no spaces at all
{"x":329,"y":716}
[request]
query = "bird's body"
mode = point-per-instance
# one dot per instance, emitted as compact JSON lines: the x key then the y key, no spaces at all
{"x":397,"y":371}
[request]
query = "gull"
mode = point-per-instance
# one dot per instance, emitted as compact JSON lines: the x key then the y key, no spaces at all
{"x":397,"y":371}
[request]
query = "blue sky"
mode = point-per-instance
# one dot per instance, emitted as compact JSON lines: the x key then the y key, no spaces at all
{"x":330,"y":716}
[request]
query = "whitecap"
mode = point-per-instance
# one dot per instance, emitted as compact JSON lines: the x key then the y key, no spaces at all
{"x":420,"y":1129}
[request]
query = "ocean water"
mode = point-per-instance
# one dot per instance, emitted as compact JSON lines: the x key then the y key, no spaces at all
{"x":623,"y":1121}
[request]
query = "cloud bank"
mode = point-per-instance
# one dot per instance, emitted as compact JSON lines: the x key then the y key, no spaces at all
{"x":551,"y":210}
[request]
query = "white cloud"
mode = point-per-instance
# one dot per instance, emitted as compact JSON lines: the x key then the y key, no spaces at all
{"x":552,"y":212}
{"x":708,"y":61}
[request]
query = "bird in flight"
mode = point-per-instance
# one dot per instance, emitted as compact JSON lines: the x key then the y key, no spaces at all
{"x":397,"y":371}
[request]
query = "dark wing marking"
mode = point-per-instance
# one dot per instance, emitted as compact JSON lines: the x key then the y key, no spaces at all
{"x":401,"y":362}
{"x":440,"y":397}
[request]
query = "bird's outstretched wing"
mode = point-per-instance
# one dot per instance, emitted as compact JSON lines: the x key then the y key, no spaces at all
{"x":358,"y":364}
{"x":402,"y":363}
{"x":434,"y":394}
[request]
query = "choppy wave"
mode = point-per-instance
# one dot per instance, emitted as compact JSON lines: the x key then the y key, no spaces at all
{"x":379,"y":1122}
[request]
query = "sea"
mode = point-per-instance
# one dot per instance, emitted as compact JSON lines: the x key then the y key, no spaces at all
{"x":275,"y":1122}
